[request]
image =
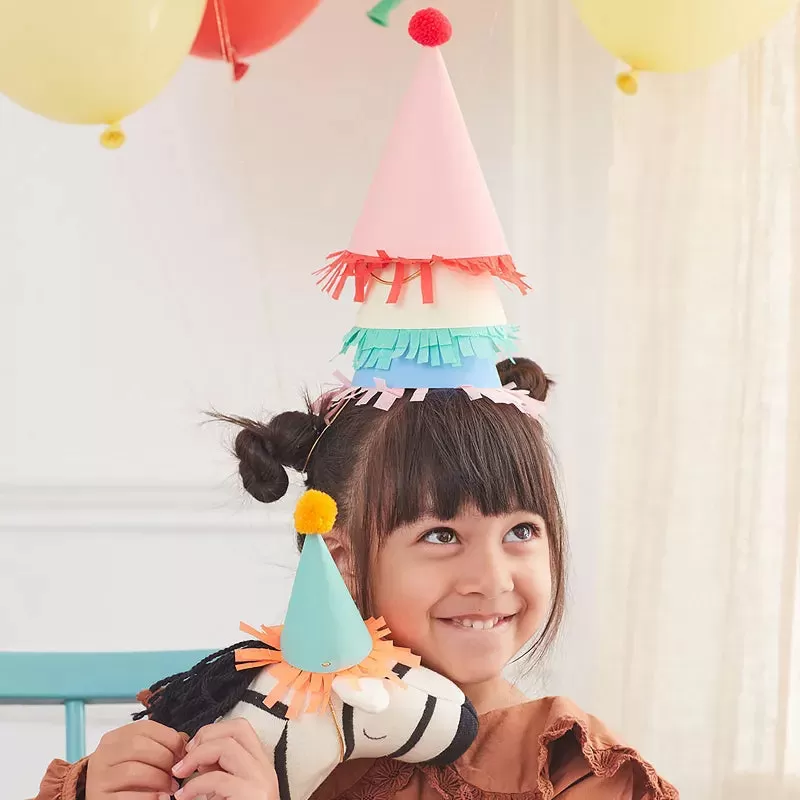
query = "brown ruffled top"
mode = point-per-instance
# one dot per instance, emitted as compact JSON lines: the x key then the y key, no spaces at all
{"x":544,"y":749}
{"x":539,"y":750}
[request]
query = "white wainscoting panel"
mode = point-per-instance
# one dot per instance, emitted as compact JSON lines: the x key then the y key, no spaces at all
{"x":89,"y":568}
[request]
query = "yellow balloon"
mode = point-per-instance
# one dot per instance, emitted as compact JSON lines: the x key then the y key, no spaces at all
{"x":93,"y":61}
{"x":678,"y":35}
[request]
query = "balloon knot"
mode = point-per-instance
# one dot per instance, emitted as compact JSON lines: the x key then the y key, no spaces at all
{"x":379,"y":13}
{"x":628,"y":82}
{"x":113,"y":137}
{"x":239,"y":69}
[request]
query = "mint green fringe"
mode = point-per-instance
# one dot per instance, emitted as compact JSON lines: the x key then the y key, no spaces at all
{"x":376,"y":348}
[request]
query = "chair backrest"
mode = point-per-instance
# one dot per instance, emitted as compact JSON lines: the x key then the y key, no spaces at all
{"x":75,"y":679}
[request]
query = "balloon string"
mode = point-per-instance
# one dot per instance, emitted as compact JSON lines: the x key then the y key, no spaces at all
{"x":228,"y":53}
{"x":222,"y":30}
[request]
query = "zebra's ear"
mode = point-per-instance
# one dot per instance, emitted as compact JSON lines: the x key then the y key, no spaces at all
{"x":370,"y":695}
{"x":433,"y":684}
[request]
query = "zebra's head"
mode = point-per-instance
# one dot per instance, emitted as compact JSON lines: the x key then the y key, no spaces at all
{"x":426,"y":720}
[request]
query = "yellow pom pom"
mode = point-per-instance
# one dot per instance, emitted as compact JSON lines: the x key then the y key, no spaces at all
{"x":627,"y":82}
{"x":315,"y":513}
{"x":113,"y":137}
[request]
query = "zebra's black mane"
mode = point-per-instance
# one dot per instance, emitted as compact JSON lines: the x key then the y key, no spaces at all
{"x":189,"y":700}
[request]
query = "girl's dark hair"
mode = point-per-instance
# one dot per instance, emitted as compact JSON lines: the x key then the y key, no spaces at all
{"x":386,"y":469}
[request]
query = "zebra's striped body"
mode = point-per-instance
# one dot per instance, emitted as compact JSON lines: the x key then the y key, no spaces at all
{"x":427,"y":720}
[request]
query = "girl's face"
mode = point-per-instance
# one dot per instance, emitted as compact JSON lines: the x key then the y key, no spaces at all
{"x":465,"y":594}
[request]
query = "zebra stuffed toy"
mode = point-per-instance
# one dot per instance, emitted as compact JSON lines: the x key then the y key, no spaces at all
{"x":326,"y":686}
{"x":427,"y":720}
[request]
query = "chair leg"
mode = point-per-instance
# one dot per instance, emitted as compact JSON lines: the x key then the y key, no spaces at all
{"x":75,"y":712}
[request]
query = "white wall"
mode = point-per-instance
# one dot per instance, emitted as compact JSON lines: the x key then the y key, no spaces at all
{"x":139,"y":287}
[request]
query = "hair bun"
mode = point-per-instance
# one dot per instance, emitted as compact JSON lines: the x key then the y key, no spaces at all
{"x":264,"y":450}
{"x":263,"y":476}
{"x":292,"y":435}
{"x":526,"y":374}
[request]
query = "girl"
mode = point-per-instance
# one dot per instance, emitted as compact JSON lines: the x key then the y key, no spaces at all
{"x":450,"y":527}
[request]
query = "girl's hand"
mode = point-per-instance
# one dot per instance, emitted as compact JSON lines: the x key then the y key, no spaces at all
{"x":134,"y":762}
{"x":232,"y":763}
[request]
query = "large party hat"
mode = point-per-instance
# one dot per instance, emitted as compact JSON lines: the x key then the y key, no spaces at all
{"x":427,"y":247}
{"x":324,"y":636}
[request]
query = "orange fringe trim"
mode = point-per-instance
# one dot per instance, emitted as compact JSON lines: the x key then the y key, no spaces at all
{"x":344,"y":265}
{"x":310,"y":692}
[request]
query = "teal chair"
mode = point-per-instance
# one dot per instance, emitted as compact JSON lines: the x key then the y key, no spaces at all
{"x":75,"y":679}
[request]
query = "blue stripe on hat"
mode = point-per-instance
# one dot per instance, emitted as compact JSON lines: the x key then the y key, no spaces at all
{"x":404,"y":373}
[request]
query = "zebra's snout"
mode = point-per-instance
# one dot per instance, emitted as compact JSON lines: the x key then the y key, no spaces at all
{"x":462,"y":741}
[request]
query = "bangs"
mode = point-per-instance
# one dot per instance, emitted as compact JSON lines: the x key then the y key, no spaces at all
{"x":439,"y":457}
{"x":450,"y":453}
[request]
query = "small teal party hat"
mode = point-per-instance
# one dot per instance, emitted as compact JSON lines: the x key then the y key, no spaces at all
{"x":324,"y":631}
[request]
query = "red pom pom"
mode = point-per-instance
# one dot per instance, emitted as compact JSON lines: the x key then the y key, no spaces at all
{"x":430,"y":28}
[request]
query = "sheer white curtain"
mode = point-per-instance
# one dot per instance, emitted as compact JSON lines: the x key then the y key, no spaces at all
{"x":694,"y":576}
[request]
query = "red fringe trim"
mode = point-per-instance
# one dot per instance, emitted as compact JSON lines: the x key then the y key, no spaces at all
{"x":344,"y":265}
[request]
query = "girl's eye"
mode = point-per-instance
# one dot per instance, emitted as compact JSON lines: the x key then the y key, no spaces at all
{"x":522,"y":533}
{"x":441,"y":536}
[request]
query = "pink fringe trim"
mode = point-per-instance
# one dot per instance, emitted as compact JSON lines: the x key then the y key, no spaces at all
{"x":385,"y":397}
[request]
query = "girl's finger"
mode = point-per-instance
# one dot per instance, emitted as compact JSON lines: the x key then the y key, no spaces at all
{"x":172,"y":740}
{"x":141,"y":796}
{"x":228,"y":753}
{"x":147,"y":751}
{"x":135,"y":776}
{"x":239,"y":729}
{"x":223,"y":785}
